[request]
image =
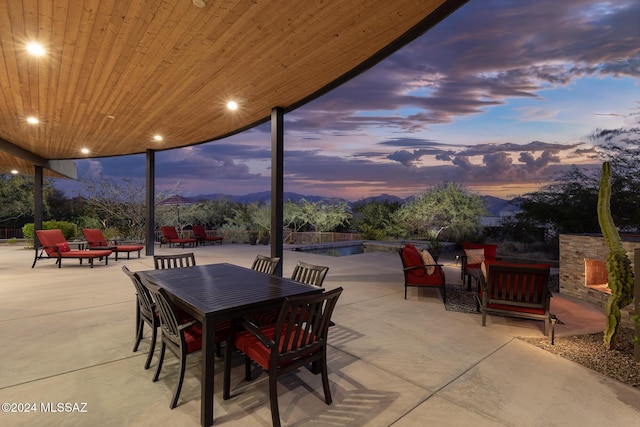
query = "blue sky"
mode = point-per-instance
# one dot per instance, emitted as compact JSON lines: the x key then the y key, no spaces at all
{"x":500,"y":97}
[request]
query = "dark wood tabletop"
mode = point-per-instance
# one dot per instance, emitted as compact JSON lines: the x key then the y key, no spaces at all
{"x":215,"y":292}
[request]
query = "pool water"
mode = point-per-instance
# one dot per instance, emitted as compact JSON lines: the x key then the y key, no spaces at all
{"x":336,"y":251}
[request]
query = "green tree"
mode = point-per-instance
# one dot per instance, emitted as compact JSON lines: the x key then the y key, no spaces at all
{"x":566,"y":206}
{"x":118,"y":205}
{"x":448,"y":206}
{"x":374,"y":219}
{"x":326,"y":215}
{"x":16,"y":193}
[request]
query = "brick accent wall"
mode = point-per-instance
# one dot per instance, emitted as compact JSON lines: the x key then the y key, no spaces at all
{"x":574,"y":248}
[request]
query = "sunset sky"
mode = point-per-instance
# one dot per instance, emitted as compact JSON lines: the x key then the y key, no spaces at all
{"x":499,"y":97}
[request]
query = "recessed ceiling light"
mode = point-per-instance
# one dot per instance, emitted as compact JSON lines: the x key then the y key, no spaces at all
{"x":35,"y":49}
{"x":85,"y":151}
{"x":199,"y":3}
{"x":232,"y":105}
{"x":33,"y":120}
{"x":14,"y":171}
{"x":157,"y":137}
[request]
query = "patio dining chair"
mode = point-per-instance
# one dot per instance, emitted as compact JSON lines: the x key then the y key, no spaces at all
{"x":309,"y":273}
{"x":298,"y":338}
{"x":145,"y":313}
{"x":181,"y":336}
{"x":265,"y":264}
{"x":163,"y":262}
{"x":95,"y":240}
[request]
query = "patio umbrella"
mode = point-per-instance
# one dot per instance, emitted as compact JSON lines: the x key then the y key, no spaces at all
{"x":176,"y":201}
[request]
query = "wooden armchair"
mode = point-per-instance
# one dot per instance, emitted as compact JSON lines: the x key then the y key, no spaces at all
{"x":55,"y":246}
{"x":517,"y":290}
{"x":418,"y":273}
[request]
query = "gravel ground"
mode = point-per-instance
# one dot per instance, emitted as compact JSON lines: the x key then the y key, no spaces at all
{"x":589,"y":351}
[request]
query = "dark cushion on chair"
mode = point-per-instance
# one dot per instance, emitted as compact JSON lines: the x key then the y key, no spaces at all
{"x":193,"y":337}
{"x":85,"y":254}
{"x":247,"y":343}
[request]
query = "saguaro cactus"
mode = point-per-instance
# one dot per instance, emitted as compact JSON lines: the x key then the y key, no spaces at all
{"x":619,"y":272}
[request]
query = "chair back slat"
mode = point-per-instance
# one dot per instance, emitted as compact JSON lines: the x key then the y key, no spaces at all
{"x":145,"y":302}
{"x":302,"y":325}
{"x":169,"y":322}
{"x":309,"y":273}
{"x":163,"y":262}
{"x":265,"y":264}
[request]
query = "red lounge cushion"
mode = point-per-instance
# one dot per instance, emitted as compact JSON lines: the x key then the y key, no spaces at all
{"x":85,"y":254}
{"x":129,"y":248}
{"x":412,"y":258}
{"x":63,"y":247}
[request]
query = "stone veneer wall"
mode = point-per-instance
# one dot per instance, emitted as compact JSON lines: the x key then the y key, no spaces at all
{"x":574,"y":248}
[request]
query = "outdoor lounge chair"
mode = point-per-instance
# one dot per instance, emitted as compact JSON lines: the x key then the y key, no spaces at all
{"x":201,"y":235}
{"x":55,"y":246}
{"x":96,"y":240}
{"x":298,"y":338}
{"x":170,"y":236}
{"x":420,"y":274}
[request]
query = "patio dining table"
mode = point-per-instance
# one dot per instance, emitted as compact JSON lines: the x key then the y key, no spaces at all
{"x":217,"y":292}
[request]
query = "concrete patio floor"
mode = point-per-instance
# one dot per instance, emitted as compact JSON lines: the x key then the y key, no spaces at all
{"x":67,"y":336}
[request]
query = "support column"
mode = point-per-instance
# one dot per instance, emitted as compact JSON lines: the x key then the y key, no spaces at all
{"x":277,"y":180}
{"x":38,"y":203}
{"x":150,"y":202}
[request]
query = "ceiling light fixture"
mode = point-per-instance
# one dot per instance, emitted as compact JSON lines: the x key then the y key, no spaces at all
{"x":158,"y":137}
{"x":232,"y":105}
{"x":199,"y":3}
{"x":33,"y":120}
{"x":35,"y":49}
{"x":14,"y":171}
{"x":85,"y":151}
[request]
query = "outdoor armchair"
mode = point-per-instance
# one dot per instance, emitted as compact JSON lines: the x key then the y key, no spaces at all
{"x":95,"y":240}
{"x":170,"y":236}
{"x":418,"y":273}
{"x":299,"y":337}
{"x":55,"y":246}
{"x":474,"y":255}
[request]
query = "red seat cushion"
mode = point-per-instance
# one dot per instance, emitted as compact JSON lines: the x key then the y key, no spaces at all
{"x":130,"y":248}
{"x":247,"y":343}
{"x":63,"y":247}
{"x":193,"y":337}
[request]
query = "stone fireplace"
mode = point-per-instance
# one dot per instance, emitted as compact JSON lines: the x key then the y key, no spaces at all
{"x":583,"y":272}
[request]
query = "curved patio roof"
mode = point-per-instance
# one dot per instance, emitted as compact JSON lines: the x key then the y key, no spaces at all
{"x":117,"y":72}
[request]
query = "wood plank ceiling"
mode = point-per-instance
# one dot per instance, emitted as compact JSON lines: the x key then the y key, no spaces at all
{"x":118,"y":72}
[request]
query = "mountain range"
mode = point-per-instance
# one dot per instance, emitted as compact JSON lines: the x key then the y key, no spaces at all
{"x":493,"y":204}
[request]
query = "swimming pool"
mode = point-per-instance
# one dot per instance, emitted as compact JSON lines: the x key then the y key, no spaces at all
{"x":335,"y":250}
